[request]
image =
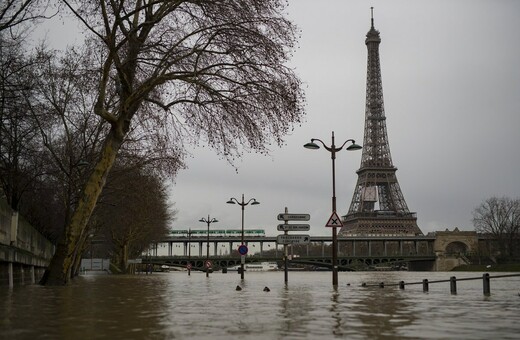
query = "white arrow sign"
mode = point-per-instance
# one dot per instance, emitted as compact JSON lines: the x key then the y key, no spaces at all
{"x":292,"y":239}
{"x":293,"y":227}
{"x":293,"y":217}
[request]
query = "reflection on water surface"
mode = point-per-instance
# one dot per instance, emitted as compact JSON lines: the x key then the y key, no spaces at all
{"x":178,"y":306}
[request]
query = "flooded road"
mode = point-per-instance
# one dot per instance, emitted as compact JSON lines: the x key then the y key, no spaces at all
{"x":177,"y":306}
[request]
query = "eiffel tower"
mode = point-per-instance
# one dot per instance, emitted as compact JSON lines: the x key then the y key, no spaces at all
{"x":378,"y":207}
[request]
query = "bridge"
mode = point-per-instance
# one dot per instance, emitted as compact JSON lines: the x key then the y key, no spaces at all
{"x":345,"y":263}
{"x":349,"y":245}
{"x":435,"y":251}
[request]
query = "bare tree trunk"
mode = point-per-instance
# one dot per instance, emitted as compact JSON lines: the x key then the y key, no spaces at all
{"x":59,"y":270}
{"x":80,"y":249}
{"x":77,"y":261}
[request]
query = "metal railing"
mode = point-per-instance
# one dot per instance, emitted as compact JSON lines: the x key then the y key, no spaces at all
{"x":486,"y":285}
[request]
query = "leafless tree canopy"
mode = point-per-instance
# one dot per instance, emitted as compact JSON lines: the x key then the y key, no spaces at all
{"x":19,"y":162}
{"x":500,"y":217}
{"x":212,"y":69}
{"x":132,"y":213}
{"x":14,"y":14}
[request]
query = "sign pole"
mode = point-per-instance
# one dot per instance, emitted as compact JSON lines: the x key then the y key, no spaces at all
{"x":189,"y":252}
{"x":286,"y":262}
{"x":287,"y":239}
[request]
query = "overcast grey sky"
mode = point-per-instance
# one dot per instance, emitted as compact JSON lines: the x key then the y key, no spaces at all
{"x":451,"y":84}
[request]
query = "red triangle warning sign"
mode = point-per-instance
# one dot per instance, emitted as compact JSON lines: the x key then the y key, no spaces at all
{"x":334,"y":221}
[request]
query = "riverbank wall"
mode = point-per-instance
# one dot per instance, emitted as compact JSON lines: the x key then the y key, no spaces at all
{"x":24,"y":251}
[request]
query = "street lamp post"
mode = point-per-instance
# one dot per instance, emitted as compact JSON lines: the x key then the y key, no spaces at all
{"x":189,"y":252}
{"x":242,"y":204}
{"x":333,"y":149}
{"x":208,"y":221}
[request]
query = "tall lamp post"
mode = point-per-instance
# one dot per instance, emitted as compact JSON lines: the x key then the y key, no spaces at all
{"x":333,"y":149}
{"x":253,"y":201}
{"x":208,"y":221}
{"x":189,"y":252}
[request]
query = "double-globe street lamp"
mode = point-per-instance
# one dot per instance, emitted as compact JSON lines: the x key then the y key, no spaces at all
{"x":208,"y":221}
{"x":333,"y":149}
{"x":253,"y":201}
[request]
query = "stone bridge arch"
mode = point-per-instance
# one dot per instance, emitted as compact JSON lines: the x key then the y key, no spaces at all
{"x":457,"y":247}
{"x":451,"y":248}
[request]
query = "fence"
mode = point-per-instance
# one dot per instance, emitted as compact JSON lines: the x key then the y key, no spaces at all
{"x":486,"y":283}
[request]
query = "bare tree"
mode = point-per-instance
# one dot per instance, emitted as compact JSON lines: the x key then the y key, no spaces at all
{"x":20,"y":159}
{"x":15,"y":13}
{"x":134,"y":213}
{"x":212,"y":69}
{"x":18,"y":134}
{"x":19,"y":165}
{"x":500,"y":217}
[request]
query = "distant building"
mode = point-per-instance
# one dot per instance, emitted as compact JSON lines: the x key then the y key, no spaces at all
{"x":378,"y":207}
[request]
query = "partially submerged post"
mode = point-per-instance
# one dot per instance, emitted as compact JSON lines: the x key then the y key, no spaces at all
{"x":485,"y":284}
{"x":425,"y":287}
{"x":453,"y":285}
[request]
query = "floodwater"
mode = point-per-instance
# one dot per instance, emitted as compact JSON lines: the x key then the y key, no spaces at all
{"x":177,"y":306}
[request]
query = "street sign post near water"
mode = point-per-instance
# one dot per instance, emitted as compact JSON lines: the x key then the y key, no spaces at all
{"x":286,"y":239}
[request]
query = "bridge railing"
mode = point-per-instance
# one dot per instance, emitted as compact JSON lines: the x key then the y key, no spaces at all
{"x":23,"y":237}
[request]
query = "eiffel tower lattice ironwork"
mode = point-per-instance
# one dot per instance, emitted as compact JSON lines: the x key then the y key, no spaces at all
{"x":378,"y":206}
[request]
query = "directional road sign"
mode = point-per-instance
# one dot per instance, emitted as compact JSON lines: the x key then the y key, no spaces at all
{"x":293,"y":217}
{"x":293,"y":227}
{"x":293,"y":239}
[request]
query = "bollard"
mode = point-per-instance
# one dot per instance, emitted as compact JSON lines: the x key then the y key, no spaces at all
{"x":382,"y":285}
{"x":425,"y":285}
{"x":453,"y":285}
{"x":401,"y":284}
{"x":485,"y":284}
